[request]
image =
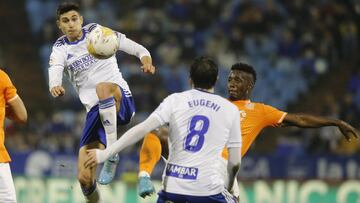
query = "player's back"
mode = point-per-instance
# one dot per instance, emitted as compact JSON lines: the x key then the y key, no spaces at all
{"x":199,"y":128}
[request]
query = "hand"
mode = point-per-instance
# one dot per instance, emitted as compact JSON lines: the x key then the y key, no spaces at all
{"x":57,"y":91}
{"x":347,"y":130}
{"x":148,"y":68}
{"x":91,"y":160}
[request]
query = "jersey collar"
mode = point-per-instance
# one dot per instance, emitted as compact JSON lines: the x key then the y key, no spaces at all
{"x":241,"y":102}
{"x":203,"y":90}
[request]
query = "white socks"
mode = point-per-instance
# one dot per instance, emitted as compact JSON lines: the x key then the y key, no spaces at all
{"x":107,"y":111}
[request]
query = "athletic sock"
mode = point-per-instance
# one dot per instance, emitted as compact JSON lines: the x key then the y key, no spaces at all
{"x":107,"y":111}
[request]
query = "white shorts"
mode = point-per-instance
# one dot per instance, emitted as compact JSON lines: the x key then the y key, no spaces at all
{"x":7,"y":189}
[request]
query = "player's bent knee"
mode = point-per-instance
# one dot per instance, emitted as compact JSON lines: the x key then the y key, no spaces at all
{"x":105,"y":90}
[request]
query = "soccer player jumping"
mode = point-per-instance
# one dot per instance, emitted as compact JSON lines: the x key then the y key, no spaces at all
{"x":101,"y":89}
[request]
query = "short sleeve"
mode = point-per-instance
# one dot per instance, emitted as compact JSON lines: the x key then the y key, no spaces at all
{"x":9,"y":88}
{"x":163,"y":111}
{"x":273,"y":116}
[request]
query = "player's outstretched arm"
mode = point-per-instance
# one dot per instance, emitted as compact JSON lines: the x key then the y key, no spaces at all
{"x":133,"y":48}
{"x":132,"y":136}
{"x":310,"y":121}
{"x":16,"y":111}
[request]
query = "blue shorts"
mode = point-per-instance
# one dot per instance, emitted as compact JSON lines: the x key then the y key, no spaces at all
{"x":224,"y":197}
{"x":94,"y":130}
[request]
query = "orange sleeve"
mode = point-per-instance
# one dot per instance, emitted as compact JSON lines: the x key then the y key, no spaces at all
{"x":10,"y":90}
{"x":150,"y":153}
{"x":272,"y":116}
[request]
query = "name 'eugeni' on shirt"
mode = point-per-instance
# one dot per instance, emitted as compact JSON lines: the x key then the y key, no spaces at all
{"x":82,"y":63}
{"x":205,"y":103}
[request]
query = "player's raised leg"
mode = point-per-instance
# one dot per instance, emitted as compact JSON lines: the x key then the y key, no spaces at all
{"x":87,"y":176}
{"x":109,"y":103}
{"x":107,"y":108}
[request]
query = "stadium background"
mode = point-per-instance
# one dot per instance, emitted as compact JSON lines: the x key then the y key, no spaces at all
{"x":305,"y":54}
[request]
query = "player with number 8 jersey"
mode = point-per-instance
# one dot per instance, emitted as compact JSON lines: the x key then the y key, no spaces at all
{"x":201,"y":124}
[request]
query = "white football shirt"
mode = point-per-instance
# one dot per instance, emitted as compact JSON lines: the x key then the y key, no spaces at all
{"x":201,"y":124}
{"x":84,"y":71}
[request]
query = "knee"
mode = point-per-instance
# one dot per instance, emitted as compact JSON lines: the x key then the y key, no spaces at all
{"x":104,"y":90}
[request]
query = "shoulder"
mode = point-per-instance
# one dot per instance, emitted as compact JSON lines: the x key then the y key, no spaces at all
{"x":89,"y":27}
{"x":173,"y":97}
{"x":259,"y":105}
{"x":225,"y":102}
{"x":3,"y":74}
{"x":185,"y":93}
{"x":265,"y":108}
{"x":227,"y":107}
{"x":255,"y":105}
{"x":4,"y":78}
{"x":60,"y":41}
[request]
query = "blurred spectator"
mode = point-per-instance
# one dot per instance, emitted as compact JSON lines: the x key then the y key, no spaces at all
{"x":288,"y":46}
{"x":354,"y":82}
{"x":98,"y":11}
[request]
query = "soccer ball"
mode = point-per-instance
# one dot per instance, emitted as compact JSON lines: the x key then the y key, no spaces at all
{"x":102,"y":42}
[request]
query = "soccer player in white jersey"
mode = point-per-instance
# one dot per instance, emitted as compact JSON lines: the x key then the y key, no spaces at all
{"x":101,"y":89}
{"x":201,"y":124}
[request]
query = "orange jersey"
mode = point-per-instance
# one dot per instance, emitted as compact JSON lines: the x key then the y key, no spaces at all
{"x":7,"y":93}
{"x":255,"y":117}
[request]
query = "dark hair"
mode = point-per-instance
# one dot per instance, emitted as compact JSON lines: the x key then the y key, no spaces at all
{"x":204,"y":72}
{"x":66,"y":7}
{"x":245,"y":68}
